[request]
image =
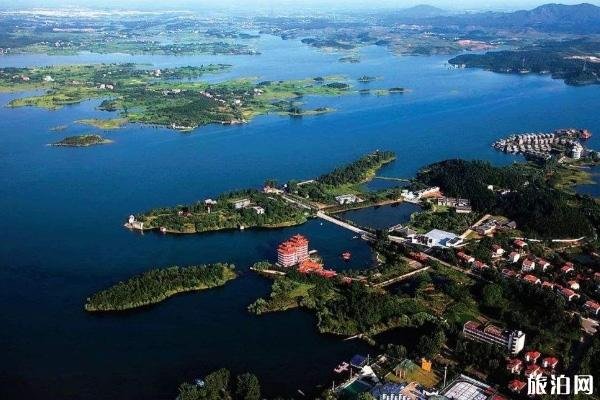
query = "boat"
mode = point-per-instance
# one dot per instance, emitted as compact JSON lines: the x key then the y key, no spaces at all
{"x":355,"y":237}
{"x":341,"y":368}
{"x":346,"y":256}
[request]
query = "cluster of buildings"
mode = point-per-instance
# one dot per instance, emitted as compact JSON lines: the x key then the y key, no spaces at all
{"x":529,"y":366}
{"x":518,"y":263}
{"x":542,"y":145}
{"x":490,"y":227}
{"x":462,"y":206}
{"x":510,"y":340}
{"x":294,"y":253}
{"x":433,"y":191}
{"x":246,"y":203}
{"x":348,"y":199}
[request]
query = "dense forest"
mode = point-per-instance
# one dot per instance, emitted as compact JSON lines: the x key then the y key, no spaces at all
{"x":539,"y":209}
{"x":568,"y":60}
{"x":218,"y":385}
{"x":157,"y":285}
{"x":326,"y":187}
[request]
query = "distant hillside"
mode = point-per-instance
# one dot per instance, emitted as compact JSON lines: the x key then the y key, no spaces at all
{"x":580,"y":18}
{"x":422,"y":11}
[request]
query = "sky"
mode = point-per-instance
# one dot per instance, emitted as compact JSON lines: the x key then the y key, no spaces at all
{"x":274,"y":4}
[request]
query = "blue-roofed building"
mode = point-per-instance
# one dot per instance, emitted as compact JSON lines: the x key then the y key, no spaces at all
{"x":388,"y":391}
{"x":358,"y":361}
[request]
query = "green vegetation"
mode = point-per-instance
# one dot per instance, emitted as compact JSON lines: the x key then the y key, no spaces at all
{"x":343,"y":180}
{"x":204,"y":217}
{"x":156,"y":285}
{"x":342,"y":308}
{"x":574,"y":60}
{"x":447,"y":220}
{"x":218,"y":386}
{"x":172,"y":97}
{"x":105,"y":124}
{"x":539,"y":209}
{"x":81,"y":141}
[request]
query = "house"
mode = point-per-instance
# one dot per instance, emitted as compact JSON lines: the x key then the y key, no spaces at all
{"x":533,"y":371}
{"x":569,"y":294}
{"x":210,"y":202}
{"x":573,"y":285}
{"x":513,"y":257}
{"x":528,"y":265}
{"x":514,"y":365}
{"x":511,"y":225}
{"x":597,"y":276}
{"x":242,"y":203}
{"x":550,"y":362}
{"x":568,"y":267}
{"x":486,"y":229}
{"x":519,"y":243}
{"x":532,"y":279}
{"x":347,"y":199}
{"x":532,"y":356}
{"x":480,"y":265}
{"x":465,"y":257}
{"x":543,"y":264}
{"x":547,"y":285}
{"x":258,"y":210}
{"x":516,"y":385}
{"x":508,"y":273}
{"x":428,"y":192}
{"x":592,"y":306}
{"x":497,"y":251}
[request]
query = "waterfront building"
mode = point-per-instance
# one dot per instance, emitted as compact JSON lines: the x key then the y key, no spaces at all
{"x":512,"y":341}
{"x":293,"y":251}
{"x":347,"y":199}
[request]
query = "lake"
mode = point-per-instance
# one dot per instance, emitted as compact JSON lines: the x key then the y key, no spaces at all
{"x":62,"y":211}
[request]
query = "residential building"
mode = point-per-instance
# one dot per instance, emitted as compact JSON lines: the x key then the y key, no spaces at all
{"x":516,"y":386}
{"x":567,"y":268}
{"x":242,"y":203}
{"x":258,"y":210}
{"x":513,"y":257}
{"x":347,"y":199}
{"x":527,"y":265}
{"x":569,"y":294}
{"x":543,"y":264}
{"x":592,"y":306}
{"x":533,"y":371}
{"x":465,"y":257}
{"x":497,"y":251}
{"x":293,"y":251}
{"x":520,"y":243}
{"x":532,"y":356}
{"x":512,"y":341}
{"x":514,"y":365}
{"x":550,"y":362}
{"x":574,"y":285}
{"x":534,"y":280}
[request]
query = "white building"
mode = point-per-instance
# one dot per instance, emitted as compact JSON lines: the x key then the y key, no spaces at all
{"x":242,"y":203}
{"x":347,"y":199}
{"x":512,"y":341}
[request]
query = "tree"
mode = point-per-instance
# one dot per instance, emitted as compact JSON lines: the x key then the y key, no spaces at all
{"x":493,"y":295}
{"x":248,"y":387}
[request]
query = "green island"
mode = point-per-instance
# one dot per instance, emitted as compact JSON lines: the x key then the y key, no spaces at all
{"x":81,"y":141}
{"x":241,"y":209}
{"x":172,"y":97}
{"x":105,"y":124}
{"x":272,"y":207}
{"x":575,"y":61}
{"x":156,"y":285}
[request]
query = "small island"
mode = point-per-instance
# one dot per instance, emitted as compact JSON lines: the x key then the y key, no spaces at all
{"x":81,"y":141}
{"x":105,"y":124}
{"x":157,"y":285}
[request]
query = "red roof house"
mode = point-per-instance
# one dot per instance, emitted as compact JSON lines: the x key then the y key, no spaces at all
{"x":550,"y":362}
{"x":567,"y":268}
{"x":533,"y":370}
{"x":516,"y":385}
{"x":592,"y":307}
{"x":532,"y":356}
{"x":514,"y":365}
{"x":568,"y":293}
{"x":519,"y":243}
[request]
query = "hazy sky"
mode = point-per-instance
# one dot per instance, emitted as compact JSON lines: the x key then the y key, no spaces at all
{"x":249,"y":4}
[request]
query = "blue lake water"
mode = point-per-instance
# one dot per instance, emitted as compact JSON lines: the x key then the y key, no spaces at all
{"x":62,"y":209}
